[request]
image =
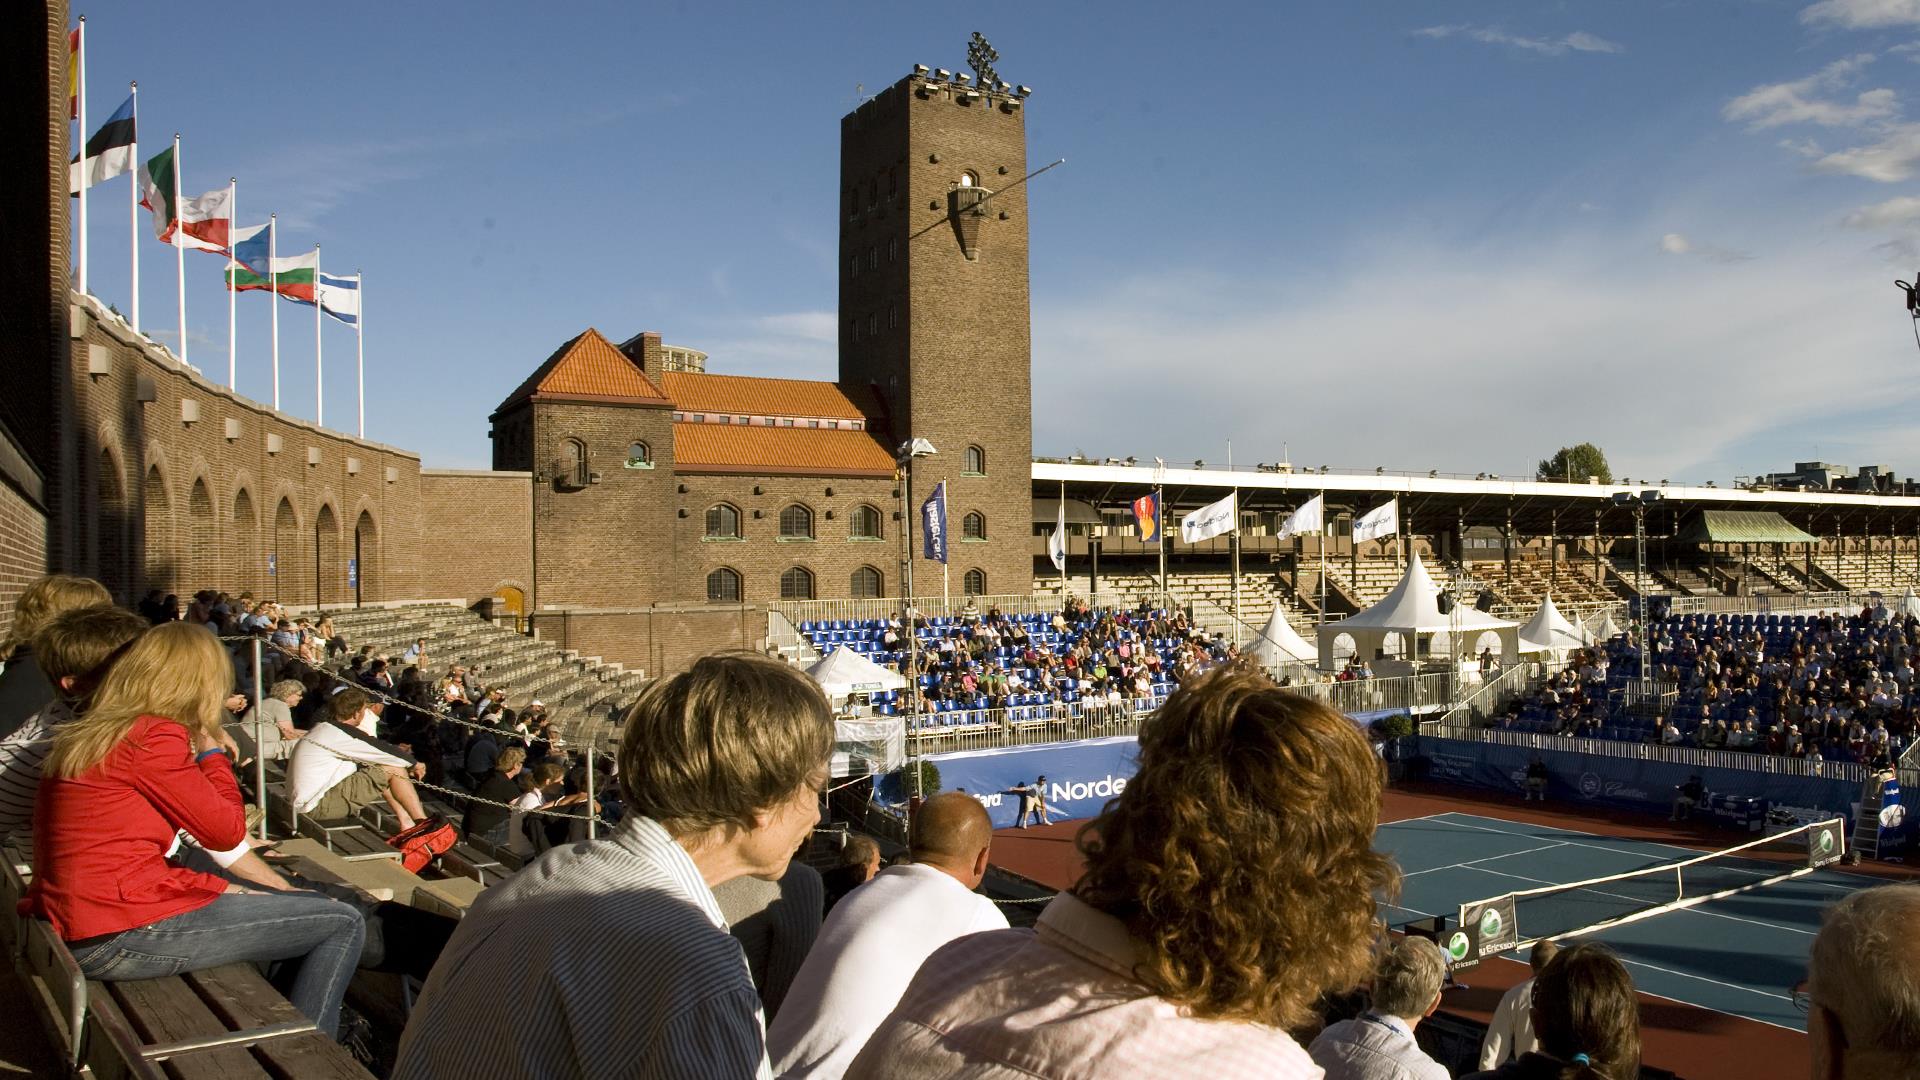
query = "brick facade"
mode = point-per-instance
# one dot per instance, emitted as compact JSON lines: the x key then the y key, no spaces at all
{"x":486,"y":519}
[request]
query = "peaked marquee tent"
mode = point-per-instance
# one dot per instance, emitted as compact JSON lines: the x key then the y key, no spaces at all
{"x":1279,"y":643}
{"x":1603,"y":627}
{"x":1549,"y":631}
{"x":1909,"y":606}
{"x":844,"y":672}
{"x":1412,"y":612}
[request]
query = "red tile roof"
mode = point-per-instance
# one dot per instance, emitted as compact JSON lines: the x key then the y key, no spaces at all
{"x":744,"y":395}
{"x":588,"y":368}
{"x":738,"y":448}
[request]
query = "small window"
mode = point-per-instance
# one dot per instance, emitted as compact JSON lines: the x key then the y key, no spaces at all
{"x":786,"y":421}
{"x":873,"y":323}
{"x":865,"y":523}
{"x":678,"y":417}
{"x":873,"y":194}
{"x":743,"y":419}
{"x":893,"y":317}
{"x":853,"y":266}
{"x":866,"y":583}
{"x":976,"y":463}
{"x":639,"y":455}
{"x":723,"y":419}
{"x":967,"y":179}
{"x":766,"y":421}
{"x":723,"y":522}
{"x":796,"y":523}
{"x":893,"y":182}
{"x":699,"y":418}
{"x":893,"y":249}
{"x":974,"y":583}
{"x":796,"y":584}
{"x":723,"y":587}
{"x":813,"y":423}
{"x":873,"y":258}
{"x":573,"y":462}
{"x":974,"y":526}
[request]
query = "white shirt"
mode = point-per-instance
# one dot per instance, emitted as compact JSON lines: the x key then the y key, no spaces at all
{"x":1510,"y":1034}
{"x":517,"y":841}
{"x":1373,"y":1047}
{"x":873,"y":942}
{"x":329,"y":754}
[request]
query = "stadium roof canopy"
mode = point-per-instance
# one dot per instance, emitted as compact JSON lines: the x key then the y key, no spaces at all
{"x":1743,"y":527}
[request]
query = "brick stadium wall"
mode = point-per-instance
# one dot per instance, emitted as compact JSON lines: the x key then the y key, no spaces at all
{"x":658,"y":640}
{"x":176,"y":505}
{"x":608,"y":544}
{"x":760,"y":556}
{"x":23,"y":527}
{"x":478,"y":527}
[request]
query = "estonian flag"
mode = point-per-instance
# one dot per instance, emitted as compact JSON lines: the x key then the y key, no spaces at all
{"x":109,"y":152}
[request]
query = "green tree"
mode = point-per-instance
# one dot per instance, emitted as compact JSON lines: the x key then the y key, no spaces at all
{"x":1576,"y":464}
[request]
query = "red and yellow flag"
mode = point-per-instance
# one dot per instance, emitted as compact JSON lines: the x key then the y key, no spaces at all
{"x":73,"y":74}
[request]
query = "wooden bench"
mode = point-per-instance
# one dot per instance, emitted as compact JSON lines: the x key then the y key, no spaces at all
{"x":380,"y":879}
{"x":450,"y":897}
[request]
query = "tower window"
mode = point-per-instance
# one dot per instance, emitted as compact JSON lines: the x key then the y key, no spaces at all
{"x":893,"y":318}
{"x":893,"y":249}
{"x":873,"y":258}
{"x":873,"y":323}
{"x":976,"y":462}
{"x":865,"y":523}
{"x":866,"y":583}
{"x":639,"y":455}
{"x":796,"y":584}
{"x":723,"y":586}
{"x":853,"y":266}
{"x":967,"y":179}
{"x":974,"y":583}
{"x":796,"y":523}
{"x":723,"y":522}
{"x":973,"y":526}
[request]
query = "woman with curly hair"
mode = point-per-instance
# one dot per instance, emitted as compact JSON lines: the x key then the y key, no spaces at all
{"x":1227,"y":888}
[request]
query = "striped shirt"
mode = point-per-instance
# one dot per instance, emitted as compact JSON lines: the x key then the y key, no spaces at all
{"x":602,"y":959}
{"x":22,"y":755}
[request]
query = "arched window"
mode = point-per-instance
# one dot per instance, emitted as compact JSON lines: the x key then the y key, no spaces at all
{"x":639,"y":455}
{"x":967,"y":179}
{"x":796,"y":523}
{"x":866,"y":583}
{"x":796,"y":584}
{"x":973,"y":526}
{"x":723,"y":586}
{"x":975,"y":583}
{"x":976,"y":463}
{"x":723,"y":522}
{"x":865,"y":523}
{"x":573,"y":463}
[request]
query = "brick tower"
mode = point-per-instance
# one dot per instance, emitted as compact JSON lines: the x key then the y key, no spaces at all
{"x":934,"y":302}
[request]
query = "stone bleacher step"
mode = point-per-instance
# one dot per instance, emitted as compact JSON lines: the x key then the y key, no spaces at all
{"x":382,"y":879}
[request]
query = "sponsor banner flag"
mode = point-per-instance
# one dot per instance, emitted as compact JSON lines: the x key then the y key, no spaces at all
{"x":1057,"y":543}
{"x":1493,"y":925}
{"x":1210,"y":520}
{"x":933,"y":525}
{"x":1146,"y":518}
{"x":1382,"y":520}
{"x":1309,"y":518}
{"x":108,"y":153}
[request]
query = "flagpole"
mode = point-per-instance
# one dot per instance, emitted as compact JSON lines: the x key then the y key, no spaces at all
{"x":1321,"y":545}
{"x":273,"y":298}
{"x":179,"y":247}
{"x":1234,"y":539}
{"x":133,"y":205}
{"x":360,"y":361}
{"x":319,"y":386}
{"x":1063,"y":545}
{"x":233,"y":219}
{"x":86,"y":172}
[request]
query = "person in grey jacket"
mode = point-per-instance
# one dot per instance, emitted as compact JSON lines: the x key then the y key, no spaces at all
{"x":1379,"y":1044}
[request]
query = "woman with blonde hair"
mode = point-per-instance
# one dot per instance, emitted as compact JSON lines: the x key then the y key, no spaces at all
{"x":24,"y":689}
{"x":146,"y":759}
{"x":1227,"y":888}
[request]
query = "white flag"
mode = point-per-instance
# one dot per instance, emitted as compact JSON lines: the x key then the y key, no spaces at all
{"x":1211,"y":520}
{"x":1309,"y":518}
{"x":1382,"y":520}
{"x":1057,"y":543}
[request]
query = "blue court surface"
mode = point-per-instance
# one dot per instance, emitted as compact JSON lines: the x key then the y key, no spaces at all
{"x":1737,"y":955}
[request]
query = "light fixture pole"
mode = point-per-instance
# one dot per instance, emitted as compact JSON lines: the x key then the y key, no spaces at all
{"x":903,"y":460}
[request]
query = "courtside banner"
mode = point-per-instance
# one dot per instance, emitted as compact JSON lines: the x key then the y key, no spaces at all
{"x":1081,"y":776}
{"x":933,"y":524}
{"x":1826,"y":842}
{"x":1490,"y":926}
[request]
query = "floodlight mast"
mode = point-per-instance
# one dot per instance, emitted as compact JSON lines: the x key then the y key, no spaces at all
{"x":903,"y":460}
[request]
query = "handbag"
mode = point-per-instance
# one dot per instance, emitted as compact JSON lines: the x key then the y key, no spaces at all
{"x":424,"y":842}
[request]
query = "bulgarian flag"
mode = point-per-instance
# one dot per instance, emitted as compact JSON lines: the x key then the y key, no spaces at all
{"x":251,"y":268}
{"x":203,"y":223}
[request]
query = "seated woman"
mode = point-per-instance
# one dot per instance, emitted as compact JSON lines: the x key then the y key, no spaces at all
{"x":1586,"y":1020}
{"x":147,"y":758}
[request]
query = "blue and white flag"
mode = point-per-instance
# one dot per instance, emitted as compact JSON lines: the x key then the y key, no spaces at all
{"x":339,"y":297}
{"x":1057,"y":543}
{"x":933,"y":525}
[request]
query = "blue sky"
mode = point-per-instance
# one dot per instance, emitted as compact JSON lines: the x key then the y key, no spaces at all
{"x":1418,"y":235}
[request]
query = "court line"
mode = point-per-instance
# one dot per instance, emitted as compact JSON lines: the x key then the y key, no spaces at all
{"x":1490,"y":858}
{"x":1403,"y":907}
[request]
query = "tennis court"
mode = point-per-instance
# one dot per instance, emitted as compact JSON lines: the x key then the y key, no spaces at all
{"x":1737,"y":955}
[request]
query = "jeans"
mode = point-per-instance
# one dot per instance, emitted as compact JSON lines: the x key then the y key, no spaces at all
{"x":323,"y":934}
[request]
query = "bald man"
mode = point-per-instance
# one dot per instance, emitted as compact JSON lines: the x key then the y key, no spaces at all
{"x":875,"y":940}
{"x":1863,"y":987}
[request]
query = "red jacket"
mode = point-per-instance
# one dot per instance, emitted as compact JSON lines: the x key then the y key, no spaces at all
{"x":100,"y":839}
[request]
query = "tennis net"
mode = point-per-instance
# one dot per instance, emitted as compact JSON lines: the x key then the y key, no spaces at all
{"x":1513,"y":919}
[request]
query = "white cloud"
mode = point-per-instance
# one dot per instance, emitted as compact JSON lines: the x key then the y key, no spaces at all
{"x":1890,"y":160}
{"x":1801,"y":101}
{"x":1900,"y":212}
{"x":787,"y":345}
{"x":1476,"y":361}
{"x":1863,"y":14}
{"x":1675,"y":244}
{"x":1680,"y":244}
{"x":1578,"y":41}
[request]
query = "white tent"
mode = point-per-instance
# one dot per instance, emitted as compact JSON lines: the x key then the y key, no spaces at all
{"x":1279,"y":643}
{"x":1549,"y":631}
{"x":1603,"y":628}
{"x":1909,"y":605}
{"x":844,"y":672}
{"x":1412,"y":613}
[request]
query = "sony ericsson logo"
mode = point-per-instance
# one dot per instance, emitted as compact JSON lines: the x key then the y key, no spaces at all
{"x":1823,"y":842}
{"x":1458,"y":946}
{"x":1490,"y":924}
